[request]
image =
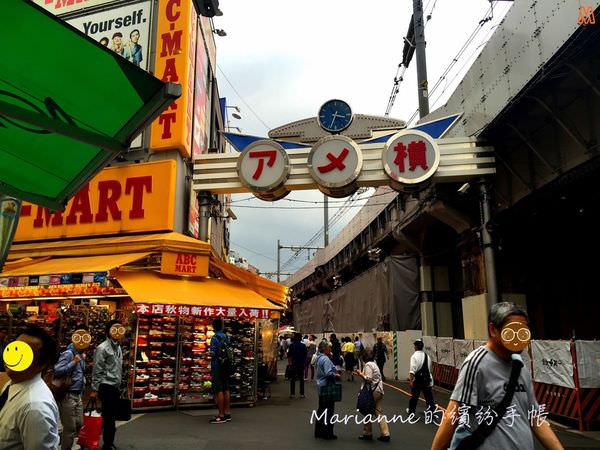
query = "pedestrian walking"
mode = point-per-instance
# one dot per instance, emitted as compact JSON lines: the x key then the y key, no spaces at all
{"x":71,"y":364}
{"x":220,"y":373}
{"x":490,"y":379}
{"x":380,"y":351}
{"x":371,"y":375}
{"x":349,"y":361}
{"x":336,"y":350}
{"x":420,"y":379}
{"x":296,"y":360}
{"x":106,"y":379}
{"x":28,"y":411}
{"x":311,"y":349}
{"x":358,"y":348}
{"x":326,"y":373}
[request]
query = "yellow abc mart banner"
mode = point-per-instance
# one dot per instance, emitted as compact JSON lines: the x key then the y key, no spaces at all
{"x":184,"y":264}
{"x":175,"y":56}
{"x":124,"y":199}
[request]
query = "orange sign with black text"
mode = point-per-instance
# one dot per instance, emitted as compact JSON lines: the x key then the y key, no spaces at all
{"x":119,"y":200}
{"x":184,"y":264}
{"x":175,"y":63}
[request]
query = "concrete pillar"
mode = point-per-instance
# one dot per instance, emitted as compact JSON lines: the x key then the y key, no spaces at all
{"x":436,"y":316}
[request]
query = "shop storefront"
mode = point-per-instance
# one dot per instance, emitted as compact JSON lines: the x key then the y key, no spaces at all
{"x":166,"y":290}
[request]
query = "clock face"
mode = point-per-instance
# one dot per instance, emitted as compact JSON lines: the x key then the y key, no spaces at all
{"x":335,"y":116}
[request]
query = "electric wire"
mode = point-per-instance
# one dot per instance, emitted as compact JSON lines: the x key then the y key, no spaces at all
{"x":267,"y":127}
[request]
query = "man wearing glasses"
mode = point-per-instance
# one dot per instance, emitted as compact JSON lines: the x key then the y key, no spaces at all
{"x":70,"y":369}
{"x":483,"y":385}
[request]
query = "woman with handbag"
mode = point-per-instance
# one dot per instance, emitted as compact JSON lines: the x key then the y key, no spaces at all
{"x":372,"y":376}
{"x":327,"y":375}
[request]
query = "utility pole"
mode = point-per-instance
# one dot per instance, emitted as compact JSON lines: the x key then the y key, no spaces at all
{"x":488,"y":245}
{"x":295,"y":248}
{"x":421,"y":59}
{"x":278,"y":260}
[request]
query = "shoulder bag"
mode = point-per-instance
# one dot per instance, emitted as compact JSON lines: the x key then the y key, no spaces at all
{"x":464,"y":439}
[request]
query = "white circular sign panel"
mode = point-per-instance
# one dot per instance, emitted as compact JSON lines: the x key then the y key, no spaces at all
{"x":264,"y":166}
{"x":410,"y":157}
{"x":335,"y":162}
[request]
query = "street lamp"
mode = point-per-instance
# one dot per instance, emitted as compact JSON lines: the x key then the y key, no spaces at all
{"x":10,"y":209}
{"x":235,"y":115}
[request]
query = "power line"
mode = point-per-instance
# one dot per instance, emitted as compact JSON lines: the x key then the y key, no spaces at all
{"x":253,"y":251}
{"x":488,"y":16}
{"x":242,"y":99}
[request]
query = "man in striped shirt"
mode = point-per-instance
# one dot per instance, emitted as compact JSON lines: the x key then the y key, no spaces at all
{"x":481,"y":385}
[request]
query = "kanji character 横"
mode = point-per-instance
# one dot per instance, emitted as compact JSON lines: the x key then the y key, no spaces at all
{"x":417,"y":155}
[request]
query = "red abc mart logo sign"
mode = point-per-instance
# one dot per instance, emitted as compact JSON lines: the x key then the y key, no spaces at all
{"x":335,"y":163}
{"x":410,"y":157}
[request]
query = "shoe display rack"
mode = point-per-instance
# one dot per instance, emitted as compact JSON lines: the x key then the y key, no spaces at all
{"x":194,"y":385}
{"x":242,"y":382}
{"x":154,"y":368}
{"x":172,"y":365}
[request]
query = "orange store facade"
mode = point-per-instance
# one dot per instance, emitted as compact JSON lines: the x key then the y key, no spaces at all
{"x":113,"y":253}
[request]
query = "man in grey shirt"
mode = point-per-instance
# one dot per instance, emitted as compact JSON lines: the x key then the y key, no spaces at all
{"x":28,"y":411}
{"x":106,"y":379}
{"x":481,"y":385}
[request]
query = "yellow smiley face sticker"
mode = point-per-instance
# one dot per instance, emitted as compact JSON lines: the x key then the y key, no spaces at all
{"x":18,"y":356}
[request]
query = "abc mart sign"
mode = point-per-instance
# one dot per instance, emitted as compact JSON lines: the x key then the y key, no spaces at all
{"x":337,"y":165}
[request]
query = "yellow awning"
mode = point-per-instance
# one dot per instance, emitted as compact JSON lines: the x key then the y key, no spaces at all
{"x":151,"y":287}
{"x":45,"y":266}
{"x":273,"y":291}
{"x":151,"y":243}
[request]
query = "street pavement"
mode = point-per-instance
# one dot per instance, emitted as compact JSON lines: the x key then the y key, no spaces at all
{"x":281,"y":423}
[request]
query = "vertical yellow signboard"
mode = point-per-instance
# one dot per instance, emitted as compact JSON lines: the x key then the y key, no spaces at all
{"x":175,"y":63}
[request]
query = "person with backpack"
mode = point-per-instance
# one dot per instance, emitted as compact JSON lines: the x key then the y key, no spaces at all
{"x":419,"y":378}
{"x":221,"y":365}
{"x":372,"y":378}
{"x":69,"y":380}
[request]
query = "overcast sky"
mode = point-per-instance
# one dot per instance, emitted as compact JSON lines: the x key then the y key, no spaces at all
{"x":281,"y":60}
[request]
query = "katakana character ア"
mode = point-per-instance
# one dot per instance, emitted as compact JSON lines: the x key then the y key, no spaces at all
{"x":335,"y":162}
{"x":271,"y":154}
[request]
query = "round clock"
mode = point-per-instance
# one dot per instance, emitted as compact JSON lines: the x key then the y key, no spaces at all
{"x":335,"y":115}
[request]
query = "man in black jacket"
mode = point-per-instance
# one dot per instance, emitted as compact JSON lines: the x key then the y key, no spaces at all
{"x":296,"y":359}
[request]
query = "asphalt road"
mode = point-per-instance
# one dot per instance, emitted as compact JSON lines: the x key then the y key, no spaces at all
{"x":284,"y":423}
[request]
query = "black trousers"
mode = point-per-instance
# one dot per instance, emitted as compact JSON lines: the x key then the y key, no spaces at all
{"x":323,"y":429}
{"x":416,"y":391}
{"x":297,"y":374}
{"x":380,"y":363}
{"x":109,"y":396}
